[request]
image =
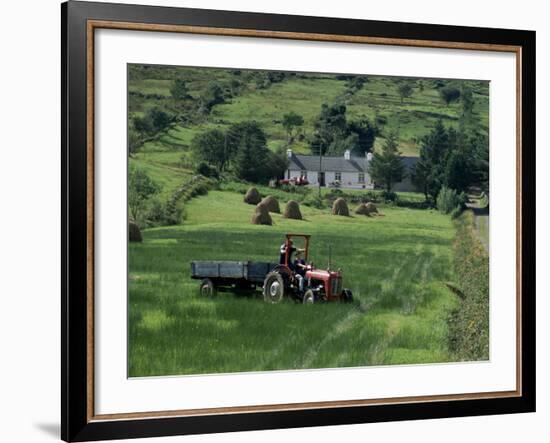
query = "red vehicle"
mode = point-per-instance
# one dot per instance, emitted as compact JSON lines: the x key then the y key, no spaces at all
{"x":308,"y":284}
{"x":296,"y":181}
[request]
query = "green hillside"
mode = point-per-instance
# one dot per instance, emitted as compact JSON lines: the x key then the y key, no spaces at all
{"x":255,"y":95}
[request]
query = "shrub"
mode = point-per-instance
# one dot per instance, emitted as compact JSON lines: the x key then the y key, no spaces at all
{"x":314,"y":201}
{"x":455,"y":213}
{"x":156,"y":214}
{"x":294,"y":189}
{"x":334,"y":193}
{"x":199,"y":188}
{"x":448,"y":200}
{"x":389,"y":196}
{"x":205,"y":169}
{"x":381,"y":120}
{"x":449,"y":94}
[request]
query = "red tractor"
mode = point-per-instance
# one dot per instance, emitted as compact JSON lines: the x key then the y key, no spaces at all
{"x":300,"y":280}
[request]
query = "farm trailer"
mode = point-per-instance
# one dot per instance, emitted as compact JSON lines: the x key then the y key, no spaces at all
{"x":238,"y":275}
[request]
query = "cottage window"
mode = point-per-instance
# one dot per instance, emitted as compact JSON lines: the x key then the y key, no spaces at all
{"x":338,"y":176}
{"x":361,"y":177}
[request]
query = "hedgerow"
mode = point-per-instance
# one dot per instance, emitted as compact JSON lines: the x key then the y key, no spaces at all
{"x":469,"y":322}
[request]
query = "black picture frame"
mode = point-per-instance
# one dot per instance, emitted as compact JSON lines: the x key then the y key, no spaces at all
{"x":76,"y":424}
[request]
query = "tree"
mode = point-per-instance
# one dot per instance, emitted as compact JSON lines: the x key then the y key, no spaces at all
{"x":140,"y":189}
{"x":275,"y":165}
{"x":386,"y":168}
{"x":213,"y":95}
{"x":434,"y":148}
{"x":212,"y":147}
{"x":251,"y":153}
{"x":160,"y":119}
{"x":420,"y":176}
{"x":356,"y":82}
{"x":134,"y":141}
{"x":333,"y":134}
{"x":292,"y":123}
{"x":154,"y":121}
{"x":458,"y":171}
{"x":405,"y":90}
{"x":467,"y":101}
{"x":330,"y":125}
{"x":342,"y":143}
{"x":479,"y":144}
{"x":366,"y":133}
{"x":179,"y":90}
{"x":449,"y":94}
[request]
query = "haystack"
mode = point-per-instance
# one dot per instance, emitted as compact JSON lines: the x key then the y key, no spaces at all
{"x":371,"y":208}
{"x":261,"y":216}
{"x":340,"y":207}
{"x":252,"y":196}
{"x":134,"y":234}
{"x":366,"y":209}
{"x":292,"y":210}
{"x":272,"y":204}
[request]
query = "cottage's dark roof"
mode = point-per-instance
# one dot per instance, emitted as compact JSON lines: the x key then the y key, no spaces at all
{"x":337,"y":164}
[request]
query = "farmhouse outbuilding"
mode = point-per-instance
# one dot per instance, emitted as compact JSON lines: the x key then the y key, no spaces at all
{"x":347,"y":171}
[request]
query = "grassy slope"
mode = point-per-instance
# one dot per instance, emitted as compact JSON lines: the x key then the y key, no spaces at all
{"x":412,"y":118}
{"x":394,"y":264}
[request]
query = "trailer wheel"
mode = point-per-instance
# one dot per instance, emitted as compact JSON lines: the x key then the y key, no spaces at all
{"x":309,"y":297}
{"x":207,"y":288}
{"x":274,"y":287}
{"x":347,"y":296}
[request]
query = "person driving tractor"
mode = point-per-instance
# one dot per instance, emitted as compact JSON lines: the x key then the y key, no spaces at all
{"x":291,"y":251}
{"x":300,"y":269}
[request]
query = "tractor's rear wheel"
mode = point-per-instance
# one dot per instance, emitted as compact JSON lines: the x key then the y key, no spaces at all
{"x":347,"y":296}
{"x":309,"y":297}
{"x":207,"y":288}
{"x":274,"y":287}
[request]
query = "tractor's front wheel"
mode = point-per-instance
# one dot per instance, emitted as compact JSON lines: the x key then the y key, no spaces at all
{"x":207,"y":288}
{"x":274,"y":287}
{"x":309,"y":297}
{"x":347,"y":296}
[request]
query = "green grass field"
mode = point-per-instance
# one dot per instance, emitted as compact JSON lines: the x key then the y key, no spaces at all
{"x":395,"y":264}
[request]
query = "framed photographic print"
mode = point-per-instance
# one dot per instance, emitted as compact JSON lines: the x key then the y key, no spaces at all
{"x":277,"y":221}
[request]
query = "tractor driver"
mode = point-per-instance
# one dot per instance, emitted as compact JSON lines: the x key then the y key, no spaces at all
{"x":291,"y":251}
{"x":300,"y":269}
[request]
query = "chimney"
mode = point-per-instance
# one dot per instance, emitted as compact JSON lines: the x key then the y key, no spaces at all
{"x":347,"y":154}
{"x":369,"y":156}
{"x":289,"y":153}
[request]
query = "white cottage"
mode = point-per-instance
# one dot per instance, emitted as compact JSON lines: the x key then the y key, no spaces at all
{"x":348,"y":170}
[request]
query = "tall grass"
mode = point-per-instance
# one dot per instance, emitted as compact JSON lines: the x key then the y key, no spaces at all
{"x":469,"y":322}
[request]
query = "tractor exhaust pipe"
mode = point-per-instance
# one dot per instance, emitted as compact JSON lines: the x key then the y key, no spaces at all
{"x":329,"y":256}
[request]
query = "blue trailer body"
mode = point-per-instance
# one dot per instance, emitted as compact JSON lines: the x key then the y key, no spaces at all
{"x":231,"y":271}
